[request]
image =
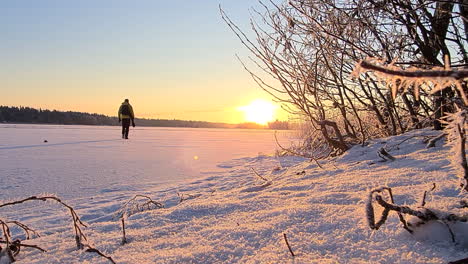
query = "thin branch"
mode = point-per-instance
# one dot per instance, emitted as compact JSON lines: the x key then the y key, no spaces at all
{"x":94,"y":250}
{"x":258,"y":175}
{"x":27,"y":246}
{"x":287,"y":244}
{"x":423,"y":202}
{"x":454,"y":74}
{"x":124,"y":238}
{"x":297,"y":154}
{"x":431,"y":143}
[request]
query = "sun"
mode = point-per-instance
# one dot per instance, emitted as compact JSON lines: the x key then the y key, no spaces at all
{"x":259,"y":111}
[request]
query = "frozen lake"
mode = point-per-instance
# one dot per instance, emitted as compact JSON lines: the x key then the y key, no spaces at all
{"x":84,"y":161}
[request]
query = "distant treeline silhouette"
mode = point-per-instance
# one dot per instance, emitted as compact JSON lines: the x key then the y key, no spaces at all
{"x":30,"y":115}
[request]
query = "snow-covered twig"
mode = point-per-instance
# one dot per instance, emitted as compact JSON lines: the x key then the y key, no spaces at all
{"x":27,"y":230}
{"x":452,"y":74}
{"x":26,"y":246}
{"x":77,"y":224}
{"x":297,"y":154}
{"x":94,"y":250}
{"x":124,"y":237}
{"x":287,"y":244}
{"x":386,"y":211}
{"x":370,"y":211}
{"x":425,"y":215}
{"x":258,"y":175}
{"x":456,"y":130}
{"x":134,"y":205}
{"x":185,"y":197}
{"x":438,"y":77}
{"x":385,"y":155}
{"x":423,"y":202}
{"x":431,"y":143}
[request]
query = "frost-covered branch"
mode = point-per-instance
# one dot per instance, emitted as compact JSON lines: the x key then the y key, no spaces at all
{"x":456,"y":129}
{"x":292,"y":152}
{"x":138,"y":203}
{"x":133,"y":206}
{"x":431,"y":143}
{"x":258,"y":175}
{"x":415,"y":73}
{"x":185,"y":196}
{"x":80,"y":237}
{"x":77,"y":223}
{"x":287,"y":244}
{"x":385,"y":155}
{"x":424,"y":214}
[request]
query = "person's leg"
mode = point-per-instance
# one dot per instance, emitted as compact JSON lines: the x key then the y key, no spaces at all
{"x":126,"y":124}
{"x":123,"y":129}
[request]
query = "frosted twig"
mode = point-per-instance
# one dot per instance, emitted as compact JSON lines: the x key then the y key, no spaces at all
{"x":396,"y":146}
{"x":124,"y":238}
{"x":386,"y":211}
{"x":260,"y":176}
{"x":133,"y":206}
{"x":431,"y":143}
{"x":423,"y":202}
{"x":425,"y":216}
{"x":77,"y":225}
{"x":25,"y":228}
{"x":385,"y":155}
{"x":441,"y":78}
{"x":94,"y":250}
{"x":453,"y":74}
{"x":297,"y":154}
{"x":463,"y":164}
{"x":287,"y":244}
{"x":456,"y":123}
{"x":370,"y":210}
{"x":27,"y":246}
{"x":185,"y":197}
{"x":452,"y":235}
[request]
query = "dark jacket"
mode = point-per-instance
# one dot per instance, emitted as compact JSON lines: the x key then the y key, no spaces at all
{"x":123,"y":116}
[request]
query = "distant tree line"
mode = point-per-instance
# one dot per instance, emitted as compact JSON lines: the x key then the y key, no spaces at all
{"x":30,"y":115}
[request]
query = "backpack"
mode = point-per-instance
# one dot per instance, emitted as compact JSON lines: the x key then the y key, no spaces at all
{"x":125,"y":110}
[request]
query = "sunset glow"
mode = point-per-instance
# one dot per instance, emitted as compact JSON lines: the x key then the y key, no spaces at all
{"x":259,"y":111}
{"x":87,"y":56}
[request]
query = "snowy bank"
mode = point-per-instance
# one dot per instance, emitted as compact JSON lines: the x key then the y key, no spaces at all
{"x":236,"y":217}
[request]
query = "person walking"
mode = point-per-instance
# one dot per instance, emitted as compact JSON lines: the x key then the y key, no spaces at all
{"x":125,"y":115}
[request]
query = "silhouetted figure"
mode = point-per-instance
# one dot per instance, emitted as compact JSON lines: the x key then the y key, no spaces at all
{"x":125,"y":115}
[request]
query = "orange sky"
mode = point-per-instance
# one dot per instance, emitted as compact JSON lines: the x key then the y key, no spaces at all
{"x":172,"y":61}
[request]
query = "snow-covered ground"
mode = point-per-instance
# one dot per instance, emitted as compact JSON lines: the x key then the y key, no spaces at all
{"x":83,"y":161}
{"x":236,"y":217}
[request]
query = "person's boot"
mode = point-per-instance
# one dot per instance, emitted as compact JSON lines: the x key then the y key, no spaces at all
{"x":123,"y":136}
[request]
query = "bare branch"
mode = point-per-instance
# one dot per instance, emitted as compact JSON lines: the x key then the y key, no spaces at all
{"x":287,"y":244}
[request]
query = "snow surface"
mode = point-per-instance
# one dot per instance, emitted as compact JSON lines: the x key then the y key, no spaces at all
{"x":236,"y":217}
{"x":81,"y":161}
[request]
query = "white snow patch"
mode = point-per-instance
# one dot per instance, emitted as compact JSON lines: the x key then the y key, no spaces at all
{"x":239,"y":218}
